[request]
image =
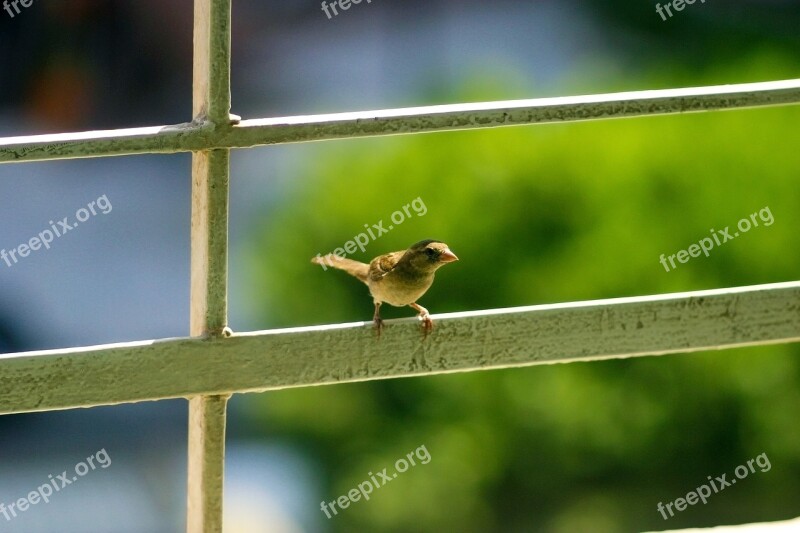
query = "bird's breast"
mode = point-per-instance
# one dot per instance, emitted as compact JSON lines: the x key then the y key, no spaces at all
{"x":399,"y":290}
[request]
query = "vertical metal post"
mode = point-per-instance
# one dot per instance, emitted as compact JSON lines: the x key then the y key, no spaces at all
{"x":209,"y":264}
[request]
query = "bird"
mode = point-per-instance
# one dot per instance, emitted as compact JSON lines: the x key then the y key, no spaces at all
{"x":397,"y":278}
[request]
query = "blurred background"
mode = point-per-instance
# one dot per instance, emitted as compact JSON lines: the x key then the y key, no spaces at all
{"x":543,"y":214}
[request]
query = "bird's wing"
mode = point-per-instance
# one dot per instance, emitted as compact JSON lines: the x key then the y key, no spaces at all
{"x":383,"y":264}
{"x":354,"y":268}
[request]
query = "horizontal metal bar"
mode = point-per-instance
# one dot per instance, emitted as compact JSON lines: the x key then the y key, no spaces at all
{"x":784,"y":526}
{"x":193,"y":137}
{"x":476,"y":340}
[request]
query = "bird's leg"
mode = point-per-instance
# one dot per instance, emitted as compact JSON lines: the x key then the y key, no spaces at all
{"x":376,"y":318}
{"x":425,"y":317}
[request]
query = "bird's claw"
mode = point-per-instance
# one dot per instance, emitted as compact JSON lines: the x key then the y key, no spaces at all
{"x":378,"y":325}
{"x":427,"y":324}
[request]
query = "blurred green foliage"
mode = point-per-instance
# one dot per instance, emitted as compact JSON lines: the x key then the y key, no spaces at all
{"x":537,"y":215}
{"x":700,"y":35}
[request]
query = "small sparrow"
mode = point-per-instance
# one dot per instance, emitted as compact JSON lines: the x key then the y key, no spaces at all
{"x":398,"y":278}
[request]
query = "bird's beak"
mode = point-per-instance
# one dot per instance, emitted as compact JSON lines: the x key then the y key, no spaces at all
{"x":448,"y":256}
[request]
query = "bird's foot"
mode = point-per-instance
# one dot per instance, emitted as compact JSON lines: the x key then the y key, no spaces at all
{"x":425,"y":317}
{"x":427,"y":324}
{"x":376,"y":319}
{"x":378,"y":325}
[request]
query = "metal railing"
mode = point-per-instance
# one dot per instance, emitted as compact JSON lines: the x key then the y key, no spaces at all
{"x":214,"y":362}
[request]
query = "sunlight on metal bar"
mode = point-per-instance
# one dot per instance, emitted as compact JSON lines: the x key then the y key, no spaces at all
{"x":783,"y":526}
{"x":256,"y":132}
{"x":342,"y":353}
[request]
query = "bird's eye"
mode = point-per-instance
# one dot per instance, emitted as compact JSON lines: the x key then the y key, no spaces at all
{"x":430,"y":252}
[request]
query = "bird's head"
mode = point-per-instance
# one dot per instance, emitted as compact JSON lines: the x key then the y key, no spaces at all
{"x":429,"y":255}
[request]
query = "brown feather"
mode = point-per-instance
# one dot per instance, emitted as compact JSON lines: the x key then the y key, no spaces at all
{"x":354,"y":268}
{"x":383,"y":264}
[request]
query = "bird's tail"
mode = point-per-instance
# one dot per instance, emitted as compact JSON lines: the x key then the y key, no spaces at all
{"x":354,"y":268}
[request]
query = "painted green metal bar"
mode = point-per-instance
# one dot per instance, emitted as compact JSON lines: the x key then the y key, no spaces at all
{"x":202,"y":135}
{"x":209,"y":262}
{"x":343,"y":353}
